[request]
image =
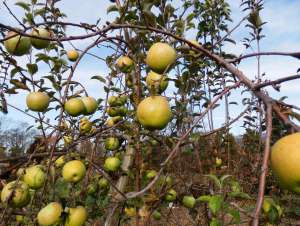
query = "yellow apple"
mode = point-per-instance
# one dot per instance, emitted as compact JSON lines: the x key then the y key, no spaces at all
{"x":34,"y":177}
{"x":73,"y":171}
{"x":20,"y":194}
{"x":37,"y":101}
{"x":76,"y":217}
{"x":72,"y":55}
{"x":90,"y":105}
{"x":17,"y":45}
{"x":74,"y":107}
{"x":50,"y":214}
{"x":112,"y":164}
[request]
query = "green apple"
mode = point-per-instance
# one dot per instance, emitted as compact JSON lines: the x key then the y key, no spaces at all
{"x":160,"y":56}
{"x":151,"y":174}
{"x":73,"y":171}
{"x":34,"y":177}
{"x":74,"y":107}
{"x":103,"y":183}
{"x":76,"y":217}
{"x":112,"y":164}
{"x":16,"y":193}
{"x":218,"y":162}
{"x":17,"y":45}
{"x":112,"y":143}
{"x":40,"y":43}
{"x":90,"y":105}
{"x":59,"y":162}
{"x":37,"y":101}
{"x":156,"y":215}
{"x":92,"y":188}
{"x":125,"y":64}
{"x":171,"y":195}
{"x":50,"y":214}
{"x":85,"y":126}
{"x":189,"y":201}
{"x":156,"y":82}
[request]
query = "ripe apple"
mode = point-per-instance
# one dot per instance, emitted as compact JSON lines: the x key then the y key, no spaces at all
{"x":50,"y":214}
{"x":285,"y":159}
{"x":112,"y":143}
{"x":156,"y":215}
{"x":125,"y":64}
{"x":112,"y":164}
{"x":151,"y":174}
{"x":189,"y":201}
{"x":85,"y":125}
{"x":17,"y":45}
{"x":171,"y":195}
{"x":40,"y":43}
{"x":74,"y":107}
{"x":73,"y":171}
{"x":103,"y":183}
{"x":90,"y":105}
{"x":37,"y":101}
{"x":154,"y":112}
{"x":59,"y":162}
{"x":34,"y":177}
{"x":72,"y":55}
{"x":156,"y":83}
{"x":20,"y":197}
{"x":160,"y":56}
{"x":76,"y":217}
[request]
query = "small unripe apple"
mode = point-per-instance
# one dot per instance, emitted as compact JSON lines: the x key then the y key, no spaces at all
{"x":130,"y":211}
{"x":156,"y":83}
{"x":68,"y":140}
{"x":113,"y":120}
{"x":103,"y":183}
{"x":40,"y":43}
{"x":156,"y":215}
{"x":37,"y":101}
{"x":34,"y":177}
{"x":112,"y":111}
{"x":90,"y":105}
{"x":20,"y":218}
{"x":17,"y":45}
{"x":72,"y":55}
{"x":171,"y":195}
{"x":20,"y":197}
{"x":76,"y":217}
{"x":189,"y":201}
{"x":151,"y":174}
{"x":218,"y":162}
{"x":92,"y":188}
{"x":50,"y":214}
{"x":85,"y":126}
{"x":112,"y":164}
{"x":125,"y":64}
{"x":73,"y":171}
{"x":112,"y":143}
{"x":74,"y":107}
{"x":60,"y":161}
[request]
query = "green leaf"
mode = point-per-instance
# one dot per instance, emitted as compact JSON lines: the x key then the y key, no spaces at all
{"x":215,"y":203}
{"x":273,"y":215}
{"x":236,"y":218}
{"x":204,"y":198}
{"x":32,"y":68}
{"x":215,"y":222}
{"x":62,"y":188}
{"x":100,"y":78}
{"x":215,"y":179}
{"x":23,"y":5}
{"x":112,"y":8}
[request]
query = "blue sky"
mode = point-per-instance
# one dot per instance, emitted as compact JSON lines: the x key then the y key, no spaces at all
{"x":282,"y":34}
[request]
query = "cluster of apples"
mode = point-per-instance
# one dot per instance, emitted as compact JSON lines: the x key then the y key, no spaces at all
{"x":19,"y":45}
{"x":153,"y":112}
